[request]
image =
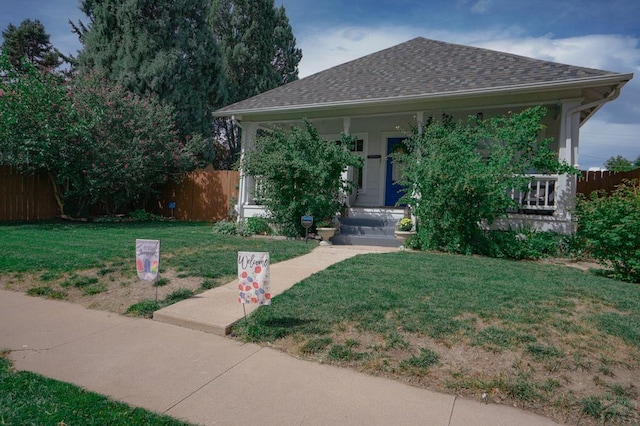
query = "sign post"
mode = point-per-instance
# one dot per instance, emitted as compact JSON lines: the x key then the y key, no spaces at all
{"x":306,"y":222}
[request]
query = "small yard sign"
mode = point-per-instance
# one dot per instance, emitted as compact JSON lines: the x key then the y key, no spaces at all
{"x":253,"y":278}
{"x":147,"y":259}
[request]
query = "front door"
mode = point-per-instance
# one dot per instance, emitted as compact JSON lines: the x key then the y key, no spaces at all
{"x":393,"y":190}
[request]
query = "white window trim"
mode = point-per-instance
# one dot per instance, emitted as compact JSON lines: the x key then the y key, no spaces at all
{"x":365,"y":150}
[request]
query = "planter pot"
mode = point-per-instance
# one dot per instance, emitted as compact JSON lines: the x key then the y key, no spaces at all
{"x":326,"y":234}
{"x":402,"y":236}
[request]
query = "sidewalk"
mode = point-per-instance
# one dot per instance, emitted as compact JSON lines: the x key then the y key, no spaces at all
{"x":209,"y":379}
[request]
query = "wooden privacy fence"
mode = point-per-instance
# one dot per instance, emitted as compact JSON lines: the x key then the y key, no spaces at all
{"x":203,"y":195}
{"x":604,"y":180}
{"x":25,"y":197}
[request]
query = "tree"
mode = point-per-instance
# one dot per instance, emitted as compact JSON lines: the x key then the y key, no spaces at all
{"x":39,"y":131}
{"x":134,"y":146}
{"x":30,"y":42}
{"x":98,"y":143}
{"x":164,"y":48}
{"x":618,"y":164}
{"x":300,"y":174}
{"x":260,"y":54}
{"x":636,"y":164}
{"x":460,"y":174}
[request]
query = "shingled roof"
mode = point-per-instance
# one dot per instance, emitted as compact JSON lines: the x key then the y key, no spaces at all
{"x":414,"y":69}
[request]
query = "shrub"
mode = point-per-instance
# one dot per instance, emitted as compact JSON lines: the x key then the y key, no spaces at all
{"x":224,"y":228}
{"x":300,"y":174}
{"x":460,"y":174}
{"x":258,"y":226}
{"x":523,"y":244}
{"x":609,"y":227}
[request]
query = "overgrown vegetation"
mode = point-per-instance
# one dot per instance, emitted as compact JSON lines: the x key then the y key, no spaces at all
{"x":300,"y":174}
{"x":28,"y":398}
{"x":460,"y":174}
{"x":609,"y":229}
{"x":520,"y":333}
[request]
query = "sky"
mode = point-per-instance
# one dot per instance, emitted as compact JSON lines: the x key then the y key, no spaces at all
{"x":591,"y":33}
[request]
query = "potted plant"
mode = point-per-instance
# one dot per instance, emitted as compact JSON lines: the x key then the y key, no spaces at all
{"x":404,"y":229}
{"x":326,"y":229}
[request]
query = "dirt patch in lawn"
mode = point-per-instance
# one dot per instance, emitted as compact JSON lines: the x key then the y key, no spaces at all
{"x":581,"y":376}
{"x":107,"y":289}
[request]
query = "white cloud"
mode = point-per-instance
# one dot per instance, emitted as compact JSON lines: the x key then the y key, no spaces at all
{"x":481,"y":6}
{"x":600,"y":140}
{"x":326,"y":48}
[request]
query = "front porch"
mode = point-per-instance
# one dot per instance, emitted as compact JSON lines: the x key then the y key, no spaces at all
{"x":380,"y":98}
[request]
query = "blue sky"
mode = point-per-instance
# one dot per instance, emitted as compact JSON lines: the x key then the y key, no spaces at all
{"x":598,"y":34}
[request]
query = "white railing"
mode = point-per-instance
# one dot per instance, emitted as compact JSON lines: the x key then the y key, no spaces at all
{"x":539,"y":195}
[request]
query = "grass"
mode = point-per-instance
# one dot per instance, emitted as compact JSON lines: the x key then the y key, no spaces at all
{"x":405,"y":314}
{"x":191,"y":248}
{"x":28,"y":398}
{"x":58,"y":253}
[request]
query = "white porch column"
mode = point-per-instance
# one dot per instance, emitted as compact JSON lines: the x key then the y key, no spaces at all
{"x":567,"y":151}
{"x":420,"y":121}
{"x":247,"y":183}
{"x":347,"y":172}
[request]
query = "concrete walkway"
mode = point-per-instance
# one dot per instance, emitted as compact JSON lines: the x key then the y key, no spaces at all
{"x":209,"y":379}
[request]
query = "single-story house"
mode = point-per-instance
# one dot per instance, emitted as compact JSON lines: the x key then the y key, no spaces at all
{"x":380,"y":97}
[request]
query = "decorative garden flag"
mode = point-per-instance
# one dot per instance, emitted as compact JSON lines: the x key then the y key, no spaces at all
{"x":253,"y":277}
{"x":147,"y":259}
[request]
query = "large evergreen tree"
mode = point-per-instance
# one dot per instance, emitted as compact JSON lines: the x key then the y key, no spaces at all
{"x":260,"y":54}
{"x":30,"y":42}
{"x":163,"y":47}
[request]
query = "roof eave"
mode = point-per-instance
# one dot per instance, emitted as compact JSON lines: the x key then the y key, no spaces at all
{"x":614,"y":79}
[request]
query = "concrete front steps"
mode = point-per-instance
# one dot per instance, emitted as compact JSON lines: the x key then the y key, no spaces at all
{"x":369,"y":227}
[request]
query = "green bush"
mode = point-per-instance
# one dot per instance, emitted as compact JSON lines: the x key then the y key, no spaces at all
{"x":609,"y":227}
{"x":225,"y":228}
{"x":461,"y":174}
{"x":258,"y":226}
{"x":300,"y":173}
{"x":523,"y":244}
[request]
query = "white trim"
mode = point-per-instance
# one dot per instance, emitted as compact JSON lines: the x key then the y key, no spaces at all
{"x":364,"y":136}
{"x":545,"y":86}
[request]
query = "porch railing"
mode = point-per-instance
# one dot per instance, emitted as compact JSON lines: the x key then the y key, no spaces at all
{"x":538,"y":196}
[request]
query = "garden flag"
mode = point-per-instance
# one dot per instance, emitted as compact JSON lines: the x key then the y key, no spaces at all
{"x":147,"y":259}
{"x":253,"y":278}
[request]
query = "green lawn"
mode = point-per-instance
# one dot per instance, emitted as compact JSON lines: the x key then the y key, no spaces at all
{"x":518,"y":331}
{"x":30,"y":399}
{"x":552,"y":339}
{"x":188,"y":247}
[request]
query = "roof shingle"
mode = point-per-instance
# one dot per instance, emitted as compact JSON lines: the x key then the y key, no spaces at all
{"x":414,"y":68}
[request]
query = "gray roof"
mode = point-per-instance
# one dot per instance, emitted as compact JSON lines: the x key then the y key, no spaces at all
{"x":416,"y":68}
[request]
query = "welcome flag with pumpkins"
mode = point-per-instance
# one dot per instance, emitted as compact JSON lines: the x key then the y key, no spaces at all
{"x":253,"y":278}
{"x":147,"y":259}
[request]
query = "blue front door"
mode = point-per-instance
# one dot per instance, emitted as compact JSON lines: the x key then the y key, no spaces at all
{"x":393,"y":190}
